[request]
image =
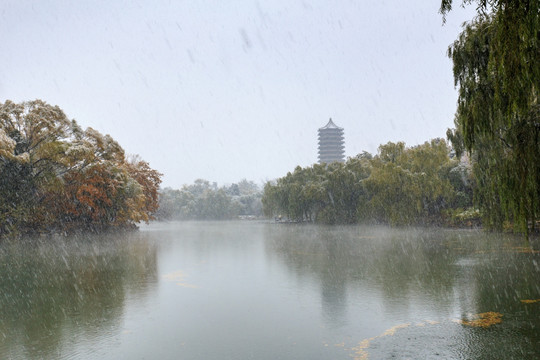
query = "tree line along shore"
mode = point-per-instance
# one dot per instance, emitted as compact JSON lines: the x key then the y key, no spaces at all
{"x":56,"y":176}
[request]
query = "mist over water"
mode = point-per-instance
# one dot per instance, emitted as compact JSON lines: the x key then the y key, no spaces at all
{"x":250,"y":290}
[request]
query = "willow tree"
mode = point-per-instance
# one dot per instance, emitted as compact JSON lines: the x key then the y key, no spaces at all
{"x":497,"y":72}
{"x":410,"y":186}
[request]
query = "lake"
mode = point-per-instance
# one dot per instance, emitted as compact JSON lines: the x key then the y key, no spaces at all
{"x":256,"y":290}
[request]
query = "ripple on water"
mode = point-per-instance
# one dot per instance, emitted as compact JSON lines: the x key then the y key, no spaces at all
{"x":448,"y":339}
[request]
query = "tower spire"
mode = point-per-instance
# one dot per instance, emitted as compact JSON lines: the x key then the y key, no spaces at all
{"x":331,"y":143}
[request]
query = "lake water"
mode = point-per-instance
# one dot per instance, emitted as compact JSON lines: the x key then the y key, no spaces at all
{"x":253,"y":290}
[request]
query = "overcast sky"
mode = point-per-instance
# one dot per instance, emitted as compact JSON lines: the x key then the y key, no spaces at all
{"x":226,"y":90}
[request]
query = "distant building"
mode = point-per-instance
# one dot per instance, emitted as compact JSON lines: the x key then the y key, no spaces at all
{"x":331,"y":144}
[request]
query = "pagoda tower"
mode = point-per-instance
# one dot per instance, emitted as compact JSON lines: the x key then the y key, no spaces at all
{"x":331,"y":144}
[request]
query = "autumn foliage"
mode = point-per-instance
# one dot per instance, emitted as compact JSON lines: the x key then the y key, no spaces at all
{"x":57,"y":177}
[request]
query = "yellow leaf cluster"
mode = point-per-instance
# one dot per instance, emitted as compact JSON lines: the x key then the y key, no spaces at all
{"x":530,"y":301}
{"x":483,"y":320}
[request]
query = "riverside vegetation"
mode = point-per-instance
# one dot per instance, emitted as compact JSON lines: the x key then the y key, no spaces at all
{"x":424,"y":185}
{"x":497,"y":73}
{"x":203,"y":200}
{"x":497,"y":125}
{"x":57,"y":177}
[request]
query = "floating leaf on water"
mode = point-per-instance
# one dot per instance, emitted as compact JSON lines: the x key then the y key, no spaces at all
{"x":360,"y":349}
{"x":530,"y":301}
{"x":525,"y":250}
{"x":483,"y":320}
{"x":393,"y":329}
{"x":178,"y":278}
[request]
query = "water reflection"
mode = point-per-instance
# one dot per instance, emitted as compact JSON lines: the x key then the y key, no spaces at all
{"x":239,"y":290}
{"x":421,"y":278}
{"x":402,"y":266}
{"x":68,"y":288}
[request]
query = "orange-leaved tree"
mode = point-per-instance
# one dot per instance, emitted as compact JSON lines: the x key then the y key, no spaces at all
{"x":55,"y":176}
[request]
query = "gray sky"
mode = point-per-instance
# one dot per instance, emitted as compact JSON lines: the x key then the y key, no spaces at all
{"x":226,"y":90}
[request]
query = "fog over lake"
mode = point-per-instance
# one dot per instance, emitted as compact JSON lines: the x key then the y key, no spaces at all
{"x":256,"y":290}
